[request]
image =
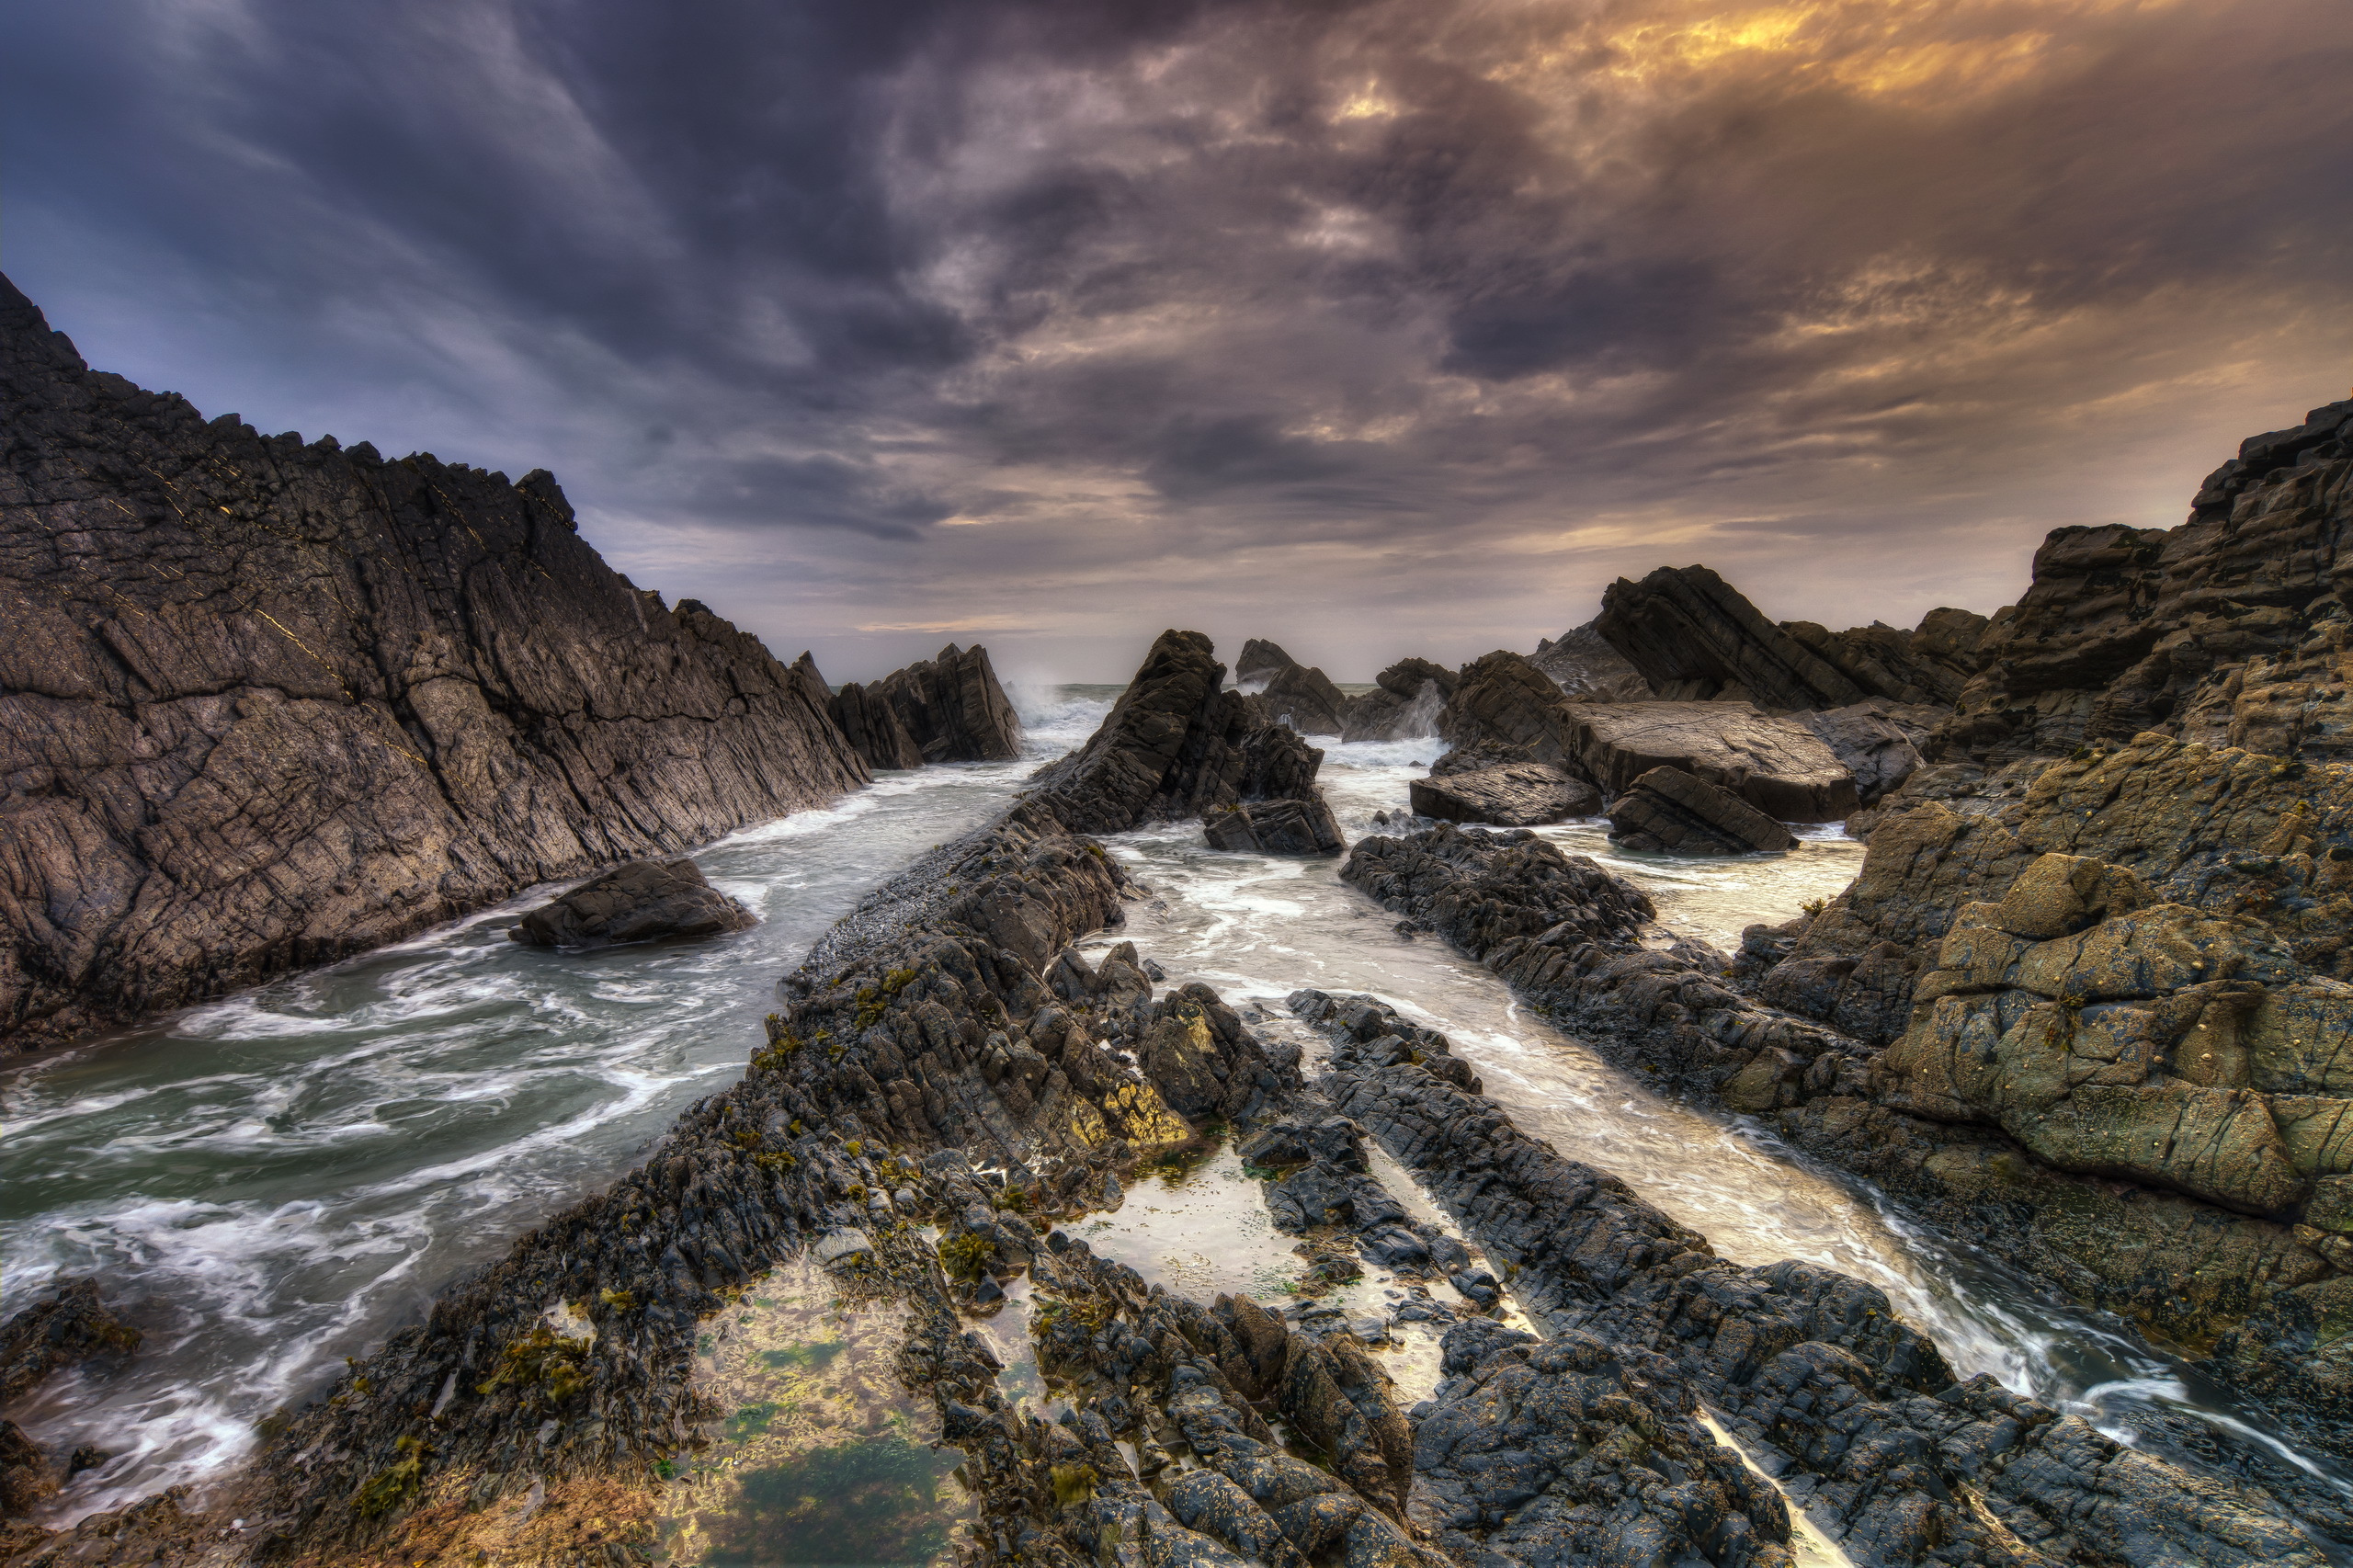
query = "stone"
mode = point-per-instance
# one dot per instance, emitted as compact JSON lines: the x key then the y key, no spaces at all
{"x":1777,"y":765}
{"x":1587,"y":669}
{"x":1274,"y":827}
{"x":873,"y":727}
{"x":1528,"y":794}
{"x":1405,"y":705}
{"x":1176,"y":745}
{"x":365,"y":699}
{"x":1670,"y":811}
{"x":1693,"y":636}
{"x":951,"y":706}
{"x":644,"y":902}
{"x":1503,"y":702}
{"x":1283,"y":691}
{"x":1873,"y":748}
{"x":68,"y":1326}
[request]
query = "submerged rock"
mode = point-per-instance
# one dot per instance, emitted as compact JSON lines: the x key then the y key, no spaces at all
{"x":66,"y":1327}
{"x":642,"y":903}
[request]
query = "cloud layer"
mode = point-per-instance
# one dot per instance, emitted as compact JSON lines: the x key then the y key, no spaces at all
{"x":1396,"y":326}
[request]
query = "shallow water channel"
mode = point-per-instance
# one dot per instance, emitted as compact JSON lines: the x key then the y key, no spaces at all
{"x":274,"y":1182}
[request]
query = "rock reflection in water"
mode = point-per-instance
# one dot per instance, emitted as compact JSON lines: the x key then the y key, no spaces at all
{"x":820,"y":1455}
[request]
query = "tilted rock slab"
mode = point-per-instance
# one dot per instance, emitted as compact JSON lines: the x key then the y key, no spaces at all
{"x":641,"y":902}
{"x":263,"y":704}
{"x":1524,"y":794}
{"x":1777,"y":765}
{"x":1667,"y":809}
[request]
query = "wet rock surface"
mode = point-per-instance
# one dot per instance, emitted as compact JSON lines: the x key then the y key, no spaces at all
{"x":1275,"y":827}
{"x":1670,"y":811}
{"x":952,"y":709}
{"x":269,"y":703}
{"x":1287,"y":692}
{"x":1527,"y":794}
{"x":1587,"y":669}
{"x":644,"y":902}
{"x":1853,"y":1413}
{"x":1776,"y":764}
{"x":1405,"y":704}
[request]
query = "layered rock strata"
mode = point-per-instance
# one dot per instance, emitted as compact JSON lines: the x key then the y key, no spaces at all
{"x":1280,"y":691}
{"x":1824,"y":1388}
{"x":1587,"y":669}
{"x":948,"y":708}
{"x":1668,"y":810}
{"x":269,"y":703}
{"x":1777,"y":765}
{"x":2105,"y":1067}
{"x":1524,"y":794}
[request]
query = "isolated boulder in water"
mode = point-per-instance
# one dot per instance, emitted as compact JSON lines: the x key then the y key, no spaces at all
{"x":1275,"y":827}
{"x":1777,"y":765}
{"x":1524,"y":794}
{"x":637,"y":903}
{"x":1868,"y":744}
{"x":1667,"y":809}
{"x":1587,"y":669}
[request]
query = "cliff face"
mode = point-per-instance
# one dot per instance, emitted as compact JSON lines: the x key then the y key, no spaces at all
{"x":264,"y":704}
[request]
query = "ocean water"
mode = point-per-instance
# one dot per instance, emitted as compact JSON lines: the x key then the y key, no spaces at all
{"x":271,"y":1183}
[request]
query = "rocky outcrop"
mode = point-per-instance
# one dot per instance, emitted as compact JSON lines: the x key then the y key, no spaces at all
{"x":1868,"y":743}
{"x":872,"y":726}
{"x":951,"y":706}
{"x":1777,"y":765}
{"x":268,"y":703}
{"x":1507,"y":709}
{"x":1524,"y":794}
{"x":646,"y":901}
{"x":1668,"y":810}
{"x":1280,"y":691}
{"x":2229,"y":629}
{"x":1275,"y":827}
{"x":1587,"y":669}
{"x":1175,"y":745}
{"x":1404,"y":706}
{"x":1694,"y":637}
{"x":1816,"y":1378}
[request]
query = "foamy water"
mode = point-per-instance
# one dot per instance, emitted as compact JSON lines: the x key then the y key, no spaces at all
{"x":276,"y":1181}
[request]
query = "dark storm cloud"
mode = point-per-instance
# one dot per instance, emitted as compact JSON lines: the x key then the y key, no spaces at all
{"x":1402,"y":324}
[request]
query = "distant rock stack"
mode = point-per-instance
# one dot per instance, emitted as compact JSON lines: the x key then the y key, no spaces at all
{"x":950,"y":708}
{"x":266,"y":704}
{"x":1405,"y":705}
{"x":1283,"y":691}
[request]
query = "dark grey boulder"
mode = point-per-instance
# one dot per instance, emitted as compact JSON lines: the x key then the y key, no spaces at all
{"x":1275,"y":827}
{"x":1667,"y":809}
{"x":643,"y":901}
{"x":1527,"y":794}
{"x":1868,"y":744}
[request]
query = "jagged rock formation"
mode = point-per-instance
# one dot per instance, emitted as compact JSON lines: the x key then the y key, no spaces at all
{"x":1812,"y":1372}
{"x":1587,"y":669}
{"x":1694,"y":637}
{"x":869,"y":724}
{"x":1505,"y":705}
{"x":1871,"y":744}
{"x":2229,"y":628}
{"x":1176,"y":745}
{"x":266,"y":704}
{"x":948,"y":708}
{"x":1524,"y":794}
{"x":1280,"y":691}
{"x":643,"y":901}
{"x":1410,"y":696}
{"x":1670,"y":811}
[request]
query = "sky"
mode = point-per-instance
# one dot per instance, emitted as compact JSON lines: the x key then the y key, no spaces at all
{"x":1378,"y":328}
